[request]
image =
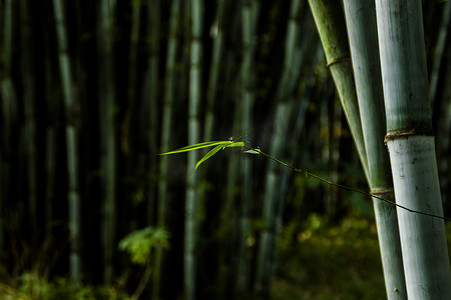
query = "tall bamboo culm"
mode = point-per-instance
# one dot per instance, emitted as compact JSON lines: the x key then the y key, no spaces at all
{"x":285,"y":91}
{"x":411,"y":147}
{"x":8,"y":110}
{"x":107,"y":132}
{"x":329,"y":20}
{"x":249,"y":15}
{"x":362,"y":33}
{"x":70,"y":104}
{"x":191,"y":203}
{"x":166,"y":123}
{"x":29,"y":98}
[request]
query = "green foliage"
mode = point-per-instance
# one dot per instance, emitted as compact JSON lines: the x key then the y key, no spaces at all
{"x":321,"y":260}
{"x":139,"y":243}
{"x":32,"y":286}
{"x":220,"y":145}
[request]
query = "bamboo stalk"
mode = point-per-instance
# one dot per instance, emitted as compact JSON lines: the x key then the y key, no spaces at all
{"x":30,"y":118}
{"x":249,"y":16}
{"x":70,"y":102}
{"x":168,"y":96}
{"x":411,"y":148}
{"x":362,"y":32}
{"x":330,"y":23}
{"x":191,"y":203}
{"x":217,"y":32}
{"x":285,"y":92}
{"x":439,"y":51}
{"x":151,"y":92}
{"x":108,"y":137}
{"x":9,"y":111}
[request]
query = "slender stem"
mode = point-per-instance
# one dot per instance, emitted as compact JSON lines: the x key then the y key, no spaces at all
{"x":308,"y":174}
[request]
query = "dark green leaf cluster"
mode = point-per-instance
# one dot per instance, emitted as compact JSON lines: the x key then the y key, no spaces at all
{"x":139,"y":243}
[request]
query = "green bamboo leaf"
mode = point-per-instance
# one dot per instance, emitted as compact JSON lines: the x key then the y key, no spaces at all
{"x":235,"y":144}
{"x":199,"y":146}
{"x":209,"y":154}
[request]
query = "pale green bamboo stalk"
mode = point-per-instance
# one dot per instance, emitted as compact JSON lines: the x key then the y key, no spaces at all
{"x":411,"y":148}
{"x":30,"y":121}
{"x":166,"y":120}
{"x":50,"y":176}
{"x":151,"y":93}
{"x":267,"y":243}
{"x":217,"y":34}
{"x":8,"y":108}
{"x":108,"y":138}
{"x":249,"y":15}
{"x":191,"y":203}
{"x":362,"y":33}
{"x":444,"y":133}
{"x":439,"y":51}
{"x":292,"y":60}
{"x":334,"y":156}
{"x":167,"y":106}
{"x":126,"y":127}
{"x":71,"y":137}
{"x":330,"y":23}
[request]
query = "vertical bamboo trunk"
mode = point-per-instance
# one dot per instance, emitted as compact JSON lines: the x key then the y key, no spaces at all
{"x":166,"y":120}
{"x":226,"y":211}
{"x":285,"y":92}
{"x":8,"y":110}
{"x":331,"y":27}
{"x":70,"y":104}
{"x":411,"y":148}
{"x":108,"y":137}
{"x":191,"y":203}
{"x":28,"y":75}
{"x":249,"y":15}
{"x":128,"y":145}
{"x":362,"y":32}
{"x":439,"y":52}
{"x":50,"y":176}
{"x":444,"y":132}
{"x":150,"y":94}
{"x":216,"y":32}
{"x":335,"y":127}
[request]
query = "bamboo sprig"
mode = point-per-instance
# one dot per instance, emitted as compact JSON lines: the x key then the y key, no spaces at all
{"x":221,"y":145}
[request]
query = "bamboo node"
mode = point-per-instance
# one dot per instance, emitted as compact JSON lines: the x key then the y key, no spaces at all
{"x":381,"y":191}
{"x":391,"y":135}
{"x":337,"y":60}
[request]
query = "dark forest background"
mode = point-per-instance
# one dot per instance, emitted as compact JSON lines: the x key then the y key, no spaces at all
{"x":92,"y":91}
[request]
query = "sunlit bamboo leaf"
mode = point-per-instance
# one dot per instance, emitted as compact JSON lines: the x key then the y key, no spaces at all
{"x":209,"y":154}
{"x":251,"y":152}
{"x":235,"y":144}
{"x":199,"y":146}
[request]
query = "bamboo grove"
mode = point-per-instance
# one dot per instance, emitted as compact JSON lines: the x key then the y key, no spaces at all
{"x":93,"y":91}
